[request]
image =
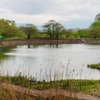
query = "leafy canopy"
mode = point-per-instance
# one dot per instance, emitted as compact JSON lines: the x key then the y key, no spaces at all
{"x":29,"y":30}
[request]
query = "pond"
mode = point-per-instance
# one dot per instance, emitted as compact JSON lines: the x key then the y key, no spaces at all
{"x":63,"y":60}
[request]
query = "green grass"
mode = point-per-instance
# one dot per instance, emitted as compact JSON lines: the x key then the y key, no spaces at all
{"x":91,"y":87}
{"x":94,"y":66}
{"x":84,"y":86}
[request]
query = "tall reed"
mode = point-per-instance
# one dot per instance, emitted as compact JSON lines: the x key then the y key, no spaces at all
{"x":49,"y":83}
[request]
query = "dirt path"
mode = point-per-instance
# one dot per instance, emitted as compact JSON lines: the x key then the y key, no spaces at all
{"x":48,"y":93}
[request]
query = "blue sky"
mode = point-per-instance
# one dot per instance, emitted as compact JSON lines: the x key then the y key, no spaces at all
{"x":70,"y":13}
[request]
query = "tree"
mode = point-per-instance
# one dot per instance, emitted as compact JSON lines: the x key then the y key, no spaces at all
{"x":83,"y":33}
{"x":58,"y":29}
{"x":53,"y":28}
{"x":8,"y":28}
{"x":66,"y":33}
{"x":11,"y":23}
{"x":94,"y":29}
{"x":95,"y":24}
{"x":29,"y":29}
{"x":97,"y":18}
{"x":94,"y":32}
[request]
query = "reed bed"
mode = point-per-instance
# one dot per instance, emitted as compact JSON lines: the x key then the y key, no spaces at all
{"x":50,"y":83}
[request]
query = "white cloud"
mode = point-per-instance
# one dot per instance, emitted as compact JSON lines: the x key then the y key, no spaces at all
{"x":5,"y":11}
{"x":39,"y":19}
{"x":40,"y":11}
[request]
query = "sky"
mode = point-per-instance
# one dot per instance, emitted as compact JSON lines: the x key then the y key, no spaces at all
{"x":70,"y":13}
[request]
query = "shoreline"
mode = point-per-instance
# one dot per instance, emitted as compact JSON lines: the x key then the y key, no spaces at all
{"x":12,"y":42}
{"x":39,"y":41}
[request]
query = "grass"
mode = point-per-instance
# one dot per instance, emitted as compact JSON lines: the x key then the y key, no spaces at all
{"x":84,"y":86}
{"x":13,"y":95}
{"x":94,"y":66}
{"x":46,"y":81}
{"x":6,"y":94}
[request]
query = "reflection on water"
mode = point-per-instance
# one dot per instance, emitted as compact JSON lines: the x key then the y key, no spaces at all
{"x":73,"y":58}
{"x":5,"y":50}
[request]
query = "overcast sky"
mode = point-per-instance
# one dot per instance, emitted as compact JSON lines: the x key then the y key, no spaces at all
{"x":70,"y":13}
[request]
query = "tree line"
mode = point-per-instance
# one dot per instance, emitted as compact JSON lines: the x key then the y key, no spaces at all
{"x":51,"y":29}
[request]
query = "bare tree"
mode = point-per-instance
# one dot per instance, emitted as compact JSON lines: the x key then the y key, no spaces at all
{"x":53,"y":28}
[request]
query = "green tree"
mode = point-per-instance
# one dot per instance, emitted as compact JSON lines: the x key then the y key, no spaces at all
{"x":53,"y":28}
{"x":83,"y":33}
{"x":29,"y":30}
{"x":94,"y":32}
{"x":11,"y":23}
{"x":95,"y":24}
{"x":8,"y":28}
{"x":97,"y":18}
{"x":58,"y":29}
{"x":66,"y":33}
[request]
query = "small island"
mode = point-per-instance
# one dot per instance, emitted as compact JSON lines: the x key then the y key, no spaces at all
{"x":94,"y":66}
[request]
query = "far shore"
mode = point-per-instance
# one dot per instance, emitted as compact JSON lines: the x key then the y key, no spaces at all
{"x":47,"y":41}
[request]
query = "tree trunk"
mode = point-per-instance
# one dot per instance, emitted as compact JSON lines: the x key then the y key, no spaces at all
{"x":28,"y":36}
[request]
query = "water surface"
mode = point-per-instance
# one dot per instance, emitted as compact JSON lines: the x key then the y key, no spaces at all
{"x":31,"y":59}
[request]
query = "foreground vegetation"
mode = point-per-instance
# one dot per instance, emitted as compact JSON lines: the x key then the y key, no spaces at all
{"x":50,"y":83}
{"x":85,"y":86}
{"x":94,"y":66}
{"x":91,"y":87}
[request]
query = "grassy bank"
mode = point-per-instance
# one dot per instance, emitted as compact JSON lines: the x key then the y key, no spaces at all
{"x":91,"y":87}
{"x":94,"y":66}
{"x":46,"y":85}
